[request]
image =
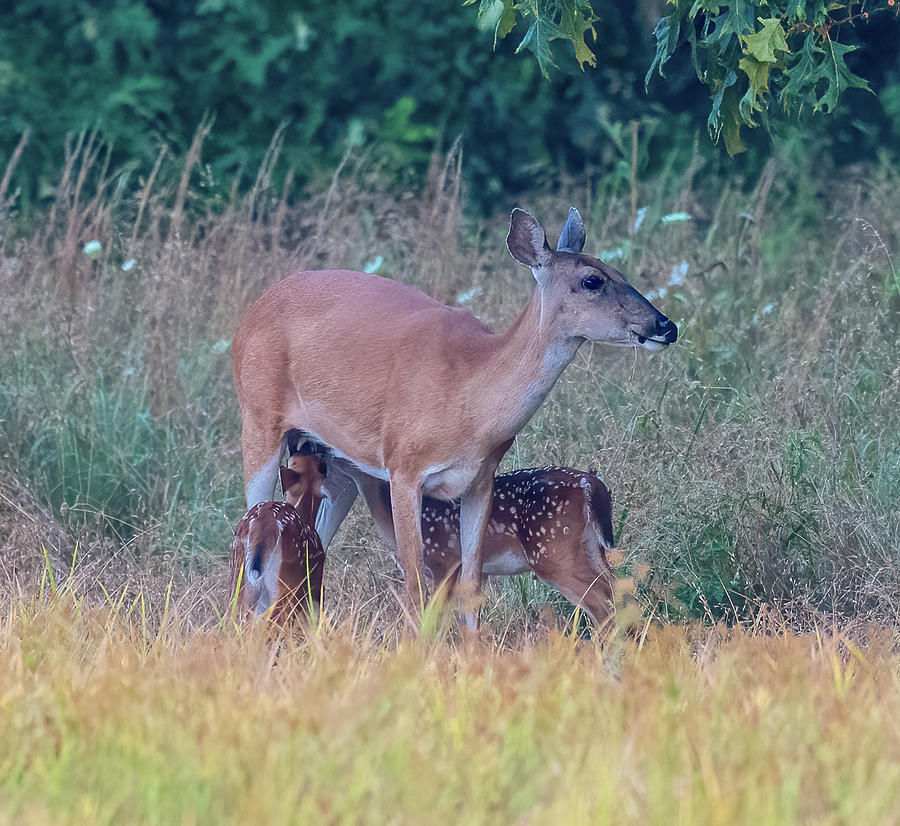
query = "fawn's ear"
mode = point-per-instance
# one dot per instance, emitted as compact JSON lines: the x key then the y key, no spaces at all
{"x":289,"y":478}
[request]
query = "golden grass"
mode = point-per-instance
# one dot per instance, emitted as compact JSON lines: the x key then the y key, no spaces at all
{"x":136,"y":714}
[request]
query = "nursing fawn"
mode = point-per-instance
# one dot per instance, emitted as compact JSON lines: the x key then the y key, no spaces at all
{"x":555,"y":522}
{"x":277,"y":560}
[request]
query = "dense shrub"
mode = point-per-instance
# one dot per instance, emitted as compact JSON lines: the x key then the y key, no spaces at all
{"x":393,"y":77}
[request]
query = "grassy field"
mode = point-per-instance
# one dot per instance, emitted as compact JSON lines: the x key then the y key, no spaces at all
{"x":130,"y":715}
{"x":754,"y":466}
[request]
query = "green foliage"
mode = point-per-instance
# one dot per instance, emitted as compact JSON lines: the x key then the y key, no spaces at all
{"x":387,"y":78}
{"x":751,"y":54}
{"x":546,"y":21}
{"x":747,"y":52}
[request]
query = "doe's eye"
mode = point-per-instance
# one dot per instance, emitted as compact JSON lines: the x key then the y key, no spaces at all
{"x":591,"y":282}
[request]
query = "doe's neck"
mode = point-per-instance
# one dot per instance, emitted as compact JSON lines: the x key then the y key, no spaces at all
{"x":529,"y":357}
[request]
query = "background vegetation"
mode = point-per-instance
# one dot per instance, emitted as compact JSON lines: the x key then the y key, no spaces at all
{"x":398,"y":79}
{"x":754,"y":464}
{"x":165,"y":162}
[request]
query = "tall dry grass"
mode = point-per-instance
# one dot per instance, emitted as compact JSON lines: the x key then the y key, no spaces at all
{"x":754,"y":464}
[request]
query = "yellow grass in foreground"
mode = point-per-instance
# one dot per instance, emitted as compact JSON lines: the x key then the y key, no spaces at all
{"x":105,"y":721}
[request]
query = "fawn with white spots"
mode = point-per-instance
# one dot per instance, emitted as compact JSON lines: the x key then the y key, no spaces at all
{"x":277,"y":559}
{"x":403,"y":389}
{"x":553,"y":521}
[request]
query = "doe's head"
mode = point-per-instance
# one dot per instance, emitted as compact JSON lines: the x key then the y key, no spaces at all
{"x":585,"y":297}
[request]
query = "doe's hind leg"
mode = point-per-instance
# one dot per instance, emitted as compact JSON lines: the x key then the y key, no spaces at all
{"x":341,"y":494}
{"x":262,"y":450}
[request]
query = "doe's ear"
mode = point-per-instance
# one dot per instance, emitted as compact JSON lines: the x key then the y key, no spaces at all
{"x":289,"y":478}
{"x":571,"y":239}
{"x":526,"y":241}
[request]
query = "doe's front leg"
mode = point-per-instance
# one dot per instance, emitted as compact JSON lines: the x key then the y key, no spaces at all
{"x":406,"y":510}
{"x":474,"y":511}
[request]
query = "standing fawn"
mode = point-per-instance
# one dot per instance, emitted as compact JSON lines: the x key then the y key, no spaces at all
{"x":277,"y":559}
{"x":553,"y":521}
{"x":404,"y":389}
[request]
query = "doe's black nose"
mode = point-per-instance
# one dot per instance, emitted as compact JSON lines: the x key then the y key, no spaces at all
{"x":666,"y":329}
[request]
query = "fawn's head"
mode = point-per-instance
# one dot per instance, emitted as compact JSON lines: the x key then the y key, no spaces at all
{"x":303,"y":476}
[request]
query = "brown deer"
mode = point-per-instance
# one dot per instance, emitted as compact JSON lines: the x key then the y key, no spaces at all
{"x":277,"y":559}
{"x":553,"y":521}
{"x":402,"y":388}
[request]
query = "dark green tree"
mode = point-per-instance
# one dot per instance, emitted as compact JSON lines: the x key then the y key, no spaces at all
{"x":749,"y":53}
